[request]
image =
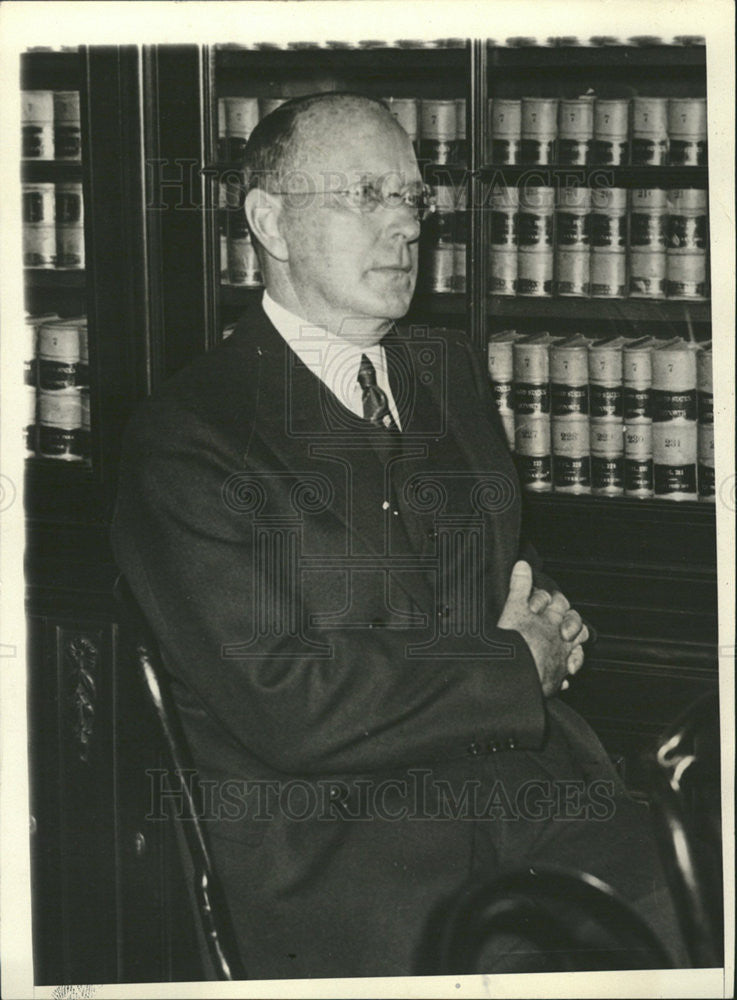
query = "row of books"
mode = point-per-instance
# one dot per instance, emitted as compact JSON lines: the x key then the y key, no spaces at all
{"x":514,"y":42}
{"x":436,"y":127}
{"x":609,"y":417}
{"x":51,"y":125}
{"x":56,"y":376}
{"x":53,"y":225}
{"x":603,"y":242}
{"x":642,"y":131}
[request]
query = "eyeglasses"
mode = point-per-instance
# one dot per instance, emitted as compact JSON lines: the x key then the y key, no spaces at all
{"x":366,"y":196}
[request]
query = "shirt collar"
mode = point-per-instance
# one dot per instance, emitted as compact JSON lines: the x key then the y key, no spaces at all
{"x":334,"y":360}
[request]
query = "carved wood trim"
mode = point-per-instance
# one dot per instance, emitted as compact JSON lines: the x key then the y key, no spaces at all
{"x":80,"y":659}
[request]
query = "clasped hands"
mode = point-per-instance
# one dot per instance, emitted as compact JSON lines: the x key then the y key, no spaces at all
{"x":549,"y":625}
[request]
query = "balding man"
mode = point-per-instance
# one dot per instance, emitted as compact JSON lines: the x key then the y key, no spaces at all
{"x":321,"y":522}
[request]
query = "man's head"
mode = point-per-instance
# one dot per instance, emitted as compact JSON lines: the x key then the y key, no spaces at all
{"x":329,"y":251}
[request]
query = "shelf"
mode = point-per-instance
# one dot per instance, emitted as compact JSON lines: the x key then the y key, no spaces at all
{"x":352,"y":60}
{"x":596,"y":57}
{"x":437,"y":304}
{"x":692,"y":511}
{"x":623,"y":538}
{"x":632,"y":310}
{"x":598,"y":176}
{"x":40,"y":277}
{"x":50,"y":70}
{"x":232,"y":296}
{"x":50,"y":171}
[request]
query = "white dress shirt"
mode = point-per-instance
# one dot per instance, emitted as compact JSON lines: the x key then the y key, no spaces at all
{"x":334,"y":360}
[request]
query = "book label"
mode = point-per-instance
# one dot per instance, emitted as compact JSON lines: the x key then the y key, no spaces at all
{"x":571,"y":475}
{"x":568,"y":399}
{"x":535,"y":472}
{"x":638,"y":477}
{"x":570,"y":437}
{"x":647,"y":278}
{"x":504,"y":229}
{"x":607,"y":476}
{"x":675,"y":481}
{"x":673,"y":405}
{"x":606,"y":400}
{"x":572,"y":229}
{"x":706,"y":408}
{"x":607,"y":274}
{"x":572,"y":272}
{"x":607,"y":438}
{"x":535,"y":229}
{"x":649,"y":230}
{"x":503,"y":272}
{"x":638,"y":441}
{"x":532,"y":436}
{"x":531,"y":398}
{"x":675,"y":444}
{"x":636,"y":403}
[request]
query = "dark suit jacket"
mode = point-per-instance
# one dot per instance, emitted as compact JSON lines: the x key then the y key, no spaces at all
{"x":326,"y":597}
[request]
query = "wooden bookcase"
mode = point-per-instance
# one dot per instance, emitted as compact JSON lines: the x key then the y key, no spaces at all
{"x":644,"y":572}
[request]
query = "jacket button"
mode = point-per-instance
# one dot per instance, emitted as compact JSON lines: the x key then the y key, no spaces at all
{"x":511,"y":743}
{"x":474,"y":750}
{"x":493,"y":746}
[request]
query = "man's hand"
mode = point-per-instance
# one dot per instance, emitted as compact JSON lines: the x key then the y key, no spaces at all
{"x":550,"y":627}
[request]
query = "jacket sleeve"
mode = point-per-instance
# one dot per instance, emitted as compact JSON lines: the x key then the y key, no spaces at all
{"x":351,"y":703}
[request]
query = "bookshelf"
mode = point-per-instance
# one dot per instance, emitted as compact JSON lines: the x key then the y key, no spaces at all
{"x":644,"y":572}
{"x":95,"y":916}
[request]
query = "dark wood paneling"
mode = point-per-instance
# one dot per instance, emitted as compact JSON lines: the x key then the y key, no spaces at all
{"x":176,"y":203}
{"x":115,"y":283}
{"x":72,"y":801}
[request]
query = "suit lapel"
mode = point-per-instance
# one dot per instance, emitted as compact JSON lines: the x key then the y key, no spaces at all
{"x":304,"y":426}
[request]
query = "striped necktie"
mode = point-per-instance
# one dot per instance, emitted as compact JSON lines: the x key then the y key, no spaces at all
{"x":375,"y":406}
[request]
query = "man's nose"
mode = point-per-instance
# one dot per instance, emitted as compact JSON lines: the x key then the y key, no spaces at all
{"x":401,"y":220}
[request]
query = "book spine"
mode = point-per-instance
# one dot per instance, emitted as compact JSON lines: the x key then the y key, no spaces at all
{"x":569,"y":404}
{"x":605,"y":424}
{"x":571,"y":458}
{"x":674,"y":423}
{"x":638,"y":424}
{"x":532,"y":446}
{"x":501,"y":373}
{"x":532,"y":415}
{"x":705,"y":436}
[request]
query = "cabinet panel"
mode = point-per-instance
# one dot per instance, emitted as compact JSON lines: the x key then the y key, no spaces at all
{"x":73,"y":800}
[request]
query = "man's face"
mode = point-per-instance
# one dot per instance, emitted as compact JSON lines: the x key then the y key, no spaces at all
{"x":343,"y":263}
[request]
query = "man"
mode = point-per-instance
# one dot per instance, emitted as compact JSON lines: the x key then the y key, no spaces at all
{"x":320,"y":520}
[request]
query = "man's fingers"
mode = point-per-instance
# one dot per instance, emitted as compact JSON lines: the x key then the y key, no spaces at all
{"x":565,"y":685}
{"x":559,"y":603}
{"x":575,"y":660}
{"x":571,"y":626}
{"x":539,"y":600}
{"x":520,"y":583}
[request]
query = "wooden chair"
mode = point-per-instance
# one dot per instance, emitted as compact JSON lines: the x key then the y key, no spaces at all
{"x":573,"y":922}
{"x":221,"y":953}
{"x":578,"y":922}
{"x":686,"y":788}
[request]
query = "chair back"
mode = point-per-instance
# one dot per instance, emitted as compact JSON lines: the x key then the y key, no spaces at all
{"x":212,"y":914}
{"x":686,"y":787}
{"x":572,"y":921}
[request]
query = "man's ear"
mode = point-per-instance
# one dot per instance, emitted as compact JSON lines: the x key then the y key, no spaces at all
{"x":263,"y":211}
